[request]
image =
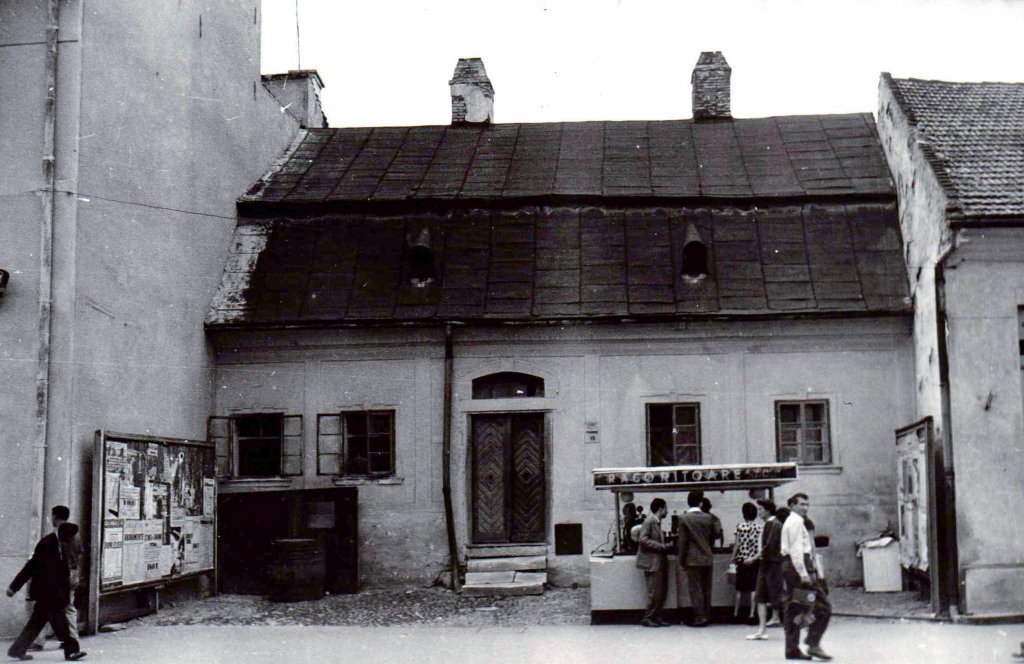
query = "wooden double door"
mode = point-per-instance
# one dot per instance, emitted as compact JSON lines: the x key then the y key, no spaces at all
{"x":509,"y":482}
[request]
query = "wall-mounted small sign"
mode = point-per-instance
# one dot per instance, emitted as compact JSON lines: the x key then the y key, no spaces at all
{"x":590,"y":432}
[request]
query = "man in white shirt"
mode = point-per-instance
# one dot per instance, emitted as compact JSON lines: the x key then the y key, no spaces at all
{"x":805,"y":594}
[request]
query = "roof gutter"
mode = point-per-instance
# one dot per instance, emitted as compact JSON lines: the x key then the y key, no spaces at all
{"x":45,"y":275}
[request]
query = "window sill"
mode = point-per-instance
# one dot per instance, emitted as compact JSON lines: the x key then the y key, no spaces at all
{"x":240,"y":484}
{"x":359,"y":481}
{"x":824,"y":469}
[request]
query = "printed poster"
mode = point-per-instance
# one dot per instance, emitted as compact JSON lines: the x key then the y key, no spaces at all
{"x":133,"y":563}
{"x":209,"y":496}
{"x":112,"y":498}
{"x":191,"y":535}
{"x":153,"y":536}
{"x":207,"y":541}
{"x":117,"y":456}
{"x":156,"y":500}
{"x":113,"y":538}
{"x":130,"y":502}
{"x":166,"y":559}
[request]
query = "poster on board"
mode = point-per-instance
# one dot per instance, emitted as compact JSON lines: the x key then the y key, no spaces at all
{"x":158,"y":501}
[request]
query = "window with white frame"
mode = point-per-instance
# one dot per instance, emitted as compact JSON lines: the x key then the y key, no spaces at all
{"x":802,"y":432}
{"x":359,"y":443}
{"x":257,"y":444}
{"x":673,"y":434}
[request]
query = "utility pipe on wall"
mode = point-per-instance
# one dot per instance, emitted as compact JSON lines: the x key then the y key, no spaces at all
{"x":45,"y":274}
{"x":446,"y":457}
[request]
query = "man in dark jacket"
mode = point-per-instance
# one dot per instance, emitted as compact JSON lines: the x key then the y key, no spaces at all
{"x":652,"y":558}
{"x":696,"y":532}
{"x":48,"y":572}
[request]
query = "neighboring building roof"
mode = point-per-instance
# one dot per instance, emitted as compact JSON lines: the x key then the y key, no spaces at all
{"x":973,"y":136}
{"x":537,"y":263}
{"x":779,"y":157}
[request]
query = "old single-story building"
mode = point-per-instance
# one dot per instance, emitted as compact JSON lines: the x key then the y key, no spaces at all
{"x":464,"y":321}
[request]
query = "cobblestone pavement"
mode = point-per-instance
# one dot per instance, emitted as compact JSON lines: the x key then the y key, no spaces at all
{"x":383,"y":607}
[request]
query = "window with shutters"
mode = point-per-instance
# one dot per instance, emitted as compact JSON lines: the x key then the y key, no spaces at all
{"x":257,"y":445}
{"x":359,"y":443}
{"x":673,"y":434}
{"x":802,"y":432}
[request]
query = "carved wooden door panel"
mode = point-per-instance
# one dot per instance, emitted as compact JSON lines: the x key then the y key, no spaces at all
{"x":527,"y":478}
{"x":508,"y":478}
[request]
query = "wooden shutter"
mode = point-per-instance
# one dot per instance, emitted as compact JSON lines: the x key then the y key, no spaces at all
{"x":218,"y":432}
{"x":328,"y":444}
{"x":291,"y":445}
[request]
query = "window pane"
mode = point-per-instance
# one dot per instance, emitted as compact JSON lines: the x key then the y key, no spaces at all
{"x":355,"y":456}
{"x":815,"y":412}
{"x":686,"y":415}
{"x":686,"y":455}
{"x":380,"y":423}
{"x":380,"y":444}
{"x":329,"y":464}
{"x":661,"y":448}
{"x":788,"y":453}
{"x":812,"y":435}
{"x":788,"y":435}
{"x":685,"y":436}
{"x":789,"y":412}
{"x":507,"y":384}
{"x":813,"y":453}
{"x":380,"y":463}
{"x":355,"y":424}
{"x":659,"y":416}
{"x":259,"y":457}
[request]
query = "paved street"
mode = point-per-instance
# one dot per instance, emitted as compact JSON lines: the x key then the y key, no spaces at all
{"x":849,"y":639}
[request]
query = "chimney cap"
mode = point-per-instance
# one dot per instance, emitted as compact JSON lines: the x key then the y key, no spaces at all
{"x":295,"y":73}
{"x":471,"y":71}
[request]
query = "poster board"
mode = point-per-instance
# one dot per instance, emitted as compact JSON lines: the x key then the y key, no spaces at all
{"x":154,"y":512}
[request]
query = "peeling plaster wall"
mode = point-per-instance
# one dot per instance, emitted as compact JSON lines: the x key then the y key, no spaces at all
{"x":736,"y":370}
{"x":160,"y":128}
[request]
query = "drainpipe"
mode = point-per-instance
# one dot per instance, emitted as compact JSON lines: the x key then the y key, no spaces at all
{"x":446,"y":455}
{"x":949,"y":558}
{"x":45,"y":275}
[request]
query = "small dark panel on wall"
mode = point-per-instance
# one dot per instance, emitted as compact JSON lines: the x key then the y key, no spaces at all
{"x":568,"y":539}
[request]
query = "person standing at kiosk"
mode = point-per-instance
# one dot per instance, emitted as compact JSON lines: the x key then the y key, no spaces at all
{"x":696,"y":532}
{"x":652,"y":558}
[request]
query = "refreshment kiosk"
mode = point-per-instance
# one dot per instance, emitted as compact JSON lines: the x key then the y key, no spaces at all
{"x":615,"y":582}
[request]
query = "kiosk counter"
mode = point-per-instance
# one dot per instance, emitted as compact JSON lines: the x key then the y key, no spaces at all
{"x":616,"y":584}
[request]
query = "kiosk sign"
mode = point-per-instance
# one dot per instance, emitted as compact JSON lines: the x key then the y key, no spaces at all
{"x":703,"y":476}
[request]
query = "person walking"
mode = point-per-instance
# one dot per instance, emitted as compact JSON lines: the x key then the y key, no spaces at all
{"x":652,"y":558}
{"x":746,"y":550}
{"x":769,"y":573}
{"x":48,"y":573}
{"x":805,"y":594}
{"x":696,"y":532}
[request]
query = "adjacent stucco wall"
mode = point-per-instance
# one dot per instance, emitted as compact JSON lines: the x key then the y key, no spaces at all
{"x":161,"y":126}
{"x":736,"y":370}
{"x":984,"y":292}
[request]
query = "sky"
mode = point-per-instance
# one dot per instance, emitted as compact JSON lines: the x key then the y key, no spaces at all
{"x":388,"y":62}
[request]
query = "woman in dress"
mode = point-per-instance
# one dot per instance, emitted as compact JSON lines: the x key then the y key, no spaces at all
{"x":745,"y":556}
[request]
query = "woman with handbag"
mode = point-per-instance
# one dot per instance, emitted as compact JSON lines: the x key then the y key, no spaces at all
{"x":745,"y":562}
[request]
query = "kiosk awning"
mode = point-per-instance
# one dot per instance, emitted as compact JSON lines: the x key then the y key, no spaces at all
{"x":684,"y":478}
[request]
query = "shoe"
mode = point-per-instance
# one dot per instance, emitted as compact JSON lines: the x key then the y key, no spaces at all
{"x":662,"y":622}
{"x":797,"y":655}
{"x":699,"y":623}
{"x":817,"y":653}
{"x":773,"y":623}
{"x":75,"y":656}
{"x":759,"y":636}
{"x":23,"y":657}
{"x":649,"y":623}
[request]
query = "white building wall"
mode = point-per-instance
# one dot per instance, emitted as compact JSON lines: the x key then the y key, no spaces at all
{"x":603,"y":374}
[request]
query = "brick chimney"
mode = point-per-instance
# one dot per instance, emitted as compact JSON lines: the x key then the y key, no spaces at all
{"x":711,"y":87}
{"x":472,"y":93}
{"x":298,"y":93}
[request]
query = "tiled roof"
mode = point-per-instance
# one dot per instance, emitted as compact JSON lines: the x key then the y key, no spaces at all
{"x":535,"y":263}
{"x":974,"y":140}
{"x":783,"y":157}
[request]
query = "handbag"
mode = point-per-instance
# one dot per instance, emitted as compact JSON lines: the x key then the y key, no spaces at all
{"x":730,"y":574}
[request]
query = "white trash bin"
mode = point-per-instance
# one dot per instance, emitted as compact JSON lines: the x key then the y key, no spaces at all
{"x":882,"y":566}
